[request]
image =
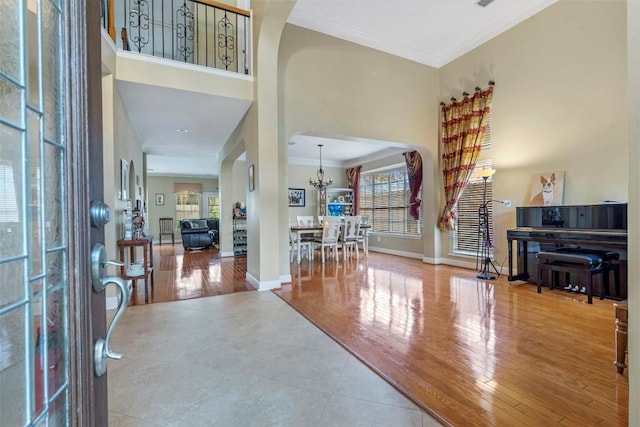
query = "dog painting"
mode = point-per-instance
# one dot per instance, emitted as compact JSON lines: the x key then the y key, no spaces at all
{"x":546,"y":189}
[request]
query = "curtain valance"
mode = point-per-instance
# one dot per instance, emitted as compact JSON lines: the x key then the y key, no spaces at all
{"x":193,"y":188}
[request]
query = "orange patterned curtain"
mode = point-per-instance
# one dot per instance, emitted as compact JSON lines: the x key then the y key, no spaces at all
{"x":353,"y":181}
{"x":463,"y":126}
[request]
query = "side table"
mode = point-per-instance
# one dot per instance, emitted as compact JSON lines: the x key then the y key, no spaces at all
{"x":147,"y":250}
{"x":621,"y":335}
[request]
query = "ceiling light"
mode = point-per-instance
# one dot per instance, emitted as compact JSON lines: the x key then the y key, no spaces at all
{"x":319,"y":182}
{"x":181,"y":130}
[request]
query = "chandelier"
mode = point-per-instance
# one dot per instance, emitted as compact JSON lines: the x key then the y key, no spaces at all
{"x":319,"y":181}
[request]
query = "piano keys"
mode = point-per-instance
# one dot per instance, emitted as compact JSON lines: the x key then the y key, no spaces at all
{"x":597,"y":227}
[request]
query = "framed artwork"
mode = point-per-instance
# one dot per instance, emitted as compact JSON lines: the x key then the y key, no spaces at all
{"x":252,"y":182}
{"x":296,"y":197}
{"x":124,"y":179}
{"x":159,"y":199}
{"x":547,"y":189}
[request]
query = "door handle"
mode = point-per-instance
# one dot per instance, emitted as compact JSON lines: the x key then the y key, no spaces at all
{"x":102,"y":348}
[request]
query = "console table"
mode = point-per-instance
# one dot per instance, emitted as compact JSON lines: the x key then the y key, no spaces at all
{"x":147,"y":250}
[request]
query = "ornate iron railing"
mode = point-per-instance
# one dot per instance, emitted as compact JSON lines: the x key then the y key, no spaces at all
{"x":201,"y":32}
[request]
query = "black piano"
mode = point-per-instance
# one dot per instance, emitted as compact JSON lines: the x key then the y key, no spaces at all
{"x":597,"y":227}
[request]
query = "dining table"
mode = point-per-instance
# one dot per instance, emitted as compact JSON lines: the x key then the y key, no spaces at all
{"x":316,"y":229}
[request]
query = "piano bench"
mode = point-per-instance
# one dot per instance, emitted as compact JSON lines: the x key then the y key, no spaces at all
{"x":589,"y":264}
{"x":609,"y":258}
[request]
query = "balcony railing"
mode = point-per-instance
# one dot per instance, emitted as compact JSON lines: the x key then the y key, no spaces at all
{"x":201,"y":32}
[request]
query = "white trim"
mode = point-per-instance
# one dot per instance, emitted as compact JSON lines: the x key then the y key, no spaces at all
{"x":226,"y":254}
{"x":395,"y":252}
{"x":107,"y":37}
{"x":143,"y":57}
{"x":457,"y":263}
{"x":263,"y":286}
{"x":323,"y":25}
{"x":286,"y":278}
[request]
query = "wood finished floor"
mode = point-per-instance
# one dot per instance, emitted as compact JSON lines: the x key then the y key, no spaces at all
{"x":469,"y":351}
{"x":180,"y":274}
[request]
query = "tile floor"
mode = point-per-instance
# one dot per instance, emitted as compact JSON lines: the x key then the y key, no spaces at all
{"x":242,"y":359}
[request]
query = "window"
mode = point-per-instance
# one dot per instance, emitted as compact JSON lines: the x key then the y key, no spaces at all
{"x":187,"y":205}
{"x":467,"y":234}
{"x":384,"y":197}
{"x":213,"y":207}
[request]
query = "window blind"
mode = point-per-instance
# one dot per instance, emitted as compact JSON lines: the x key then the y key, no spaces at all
{"x":467,"y":236}
{"x":384,"y":197}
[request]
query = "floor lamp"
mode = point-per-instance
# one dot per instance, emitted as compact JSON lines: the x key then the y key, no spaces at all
{"x":483,"y":254}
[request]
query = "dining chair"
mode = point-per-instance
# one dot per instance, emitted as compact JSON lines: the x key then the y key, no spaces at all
{"x":304,"y":220}
{"x":330,"y":236}
{"x":166,"y":229}
{"x":303,"y":245}
{"x":362,"y":233}
{"x":349,"y":235}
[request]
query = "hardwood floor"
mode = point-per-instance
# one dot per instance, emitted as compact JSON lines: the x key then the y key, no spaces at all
{"x":180,"y":274}
{"x":469,"y":351}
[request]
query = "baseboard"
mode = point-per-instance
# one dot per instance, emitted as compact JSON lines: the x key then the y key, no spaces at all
{"x":263,"y":286}
{"x":286,"y":278}
{"x":456,"y":263}
{"x":226,"y":254}
{"x":394,"y":252}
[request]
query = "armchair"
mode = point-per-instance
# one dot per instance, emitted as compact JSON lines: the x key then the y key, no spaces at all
{"x":195,"y":234}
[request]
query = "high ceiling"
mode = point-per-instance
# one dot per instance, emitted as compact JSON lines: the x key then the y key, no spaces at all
{"x":425,"y":31}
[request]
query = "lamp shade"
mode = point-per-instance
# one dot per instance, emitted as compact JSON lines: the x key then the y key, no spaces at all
{"x":486,"y":173}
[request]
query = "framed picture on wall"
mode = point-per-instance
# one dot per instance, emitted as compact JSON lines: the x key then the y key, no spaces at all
{"x":296,"y":197}
{"x":124,"y":179}
{"x":252,"y":182}
{"x":159,"y":199}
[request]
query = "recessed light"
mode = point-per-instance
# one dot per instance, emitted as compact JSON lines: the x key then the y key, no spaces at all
{"x":182,"y":130}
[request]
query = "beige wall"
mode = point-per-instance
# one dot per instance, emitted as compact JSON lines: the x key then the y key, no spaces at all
{"x":558,"y":104}
{"x":164,"y":185}
{"x":299,"y":178}
{"x":240,"y":184}
{"x":333,"y":87}
{"x":120,"y":141}
{"x":336,"y":87}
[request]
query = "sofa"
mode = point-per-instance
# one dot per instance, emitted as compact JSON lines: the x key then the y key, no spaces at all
{"x":196,"y":234}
